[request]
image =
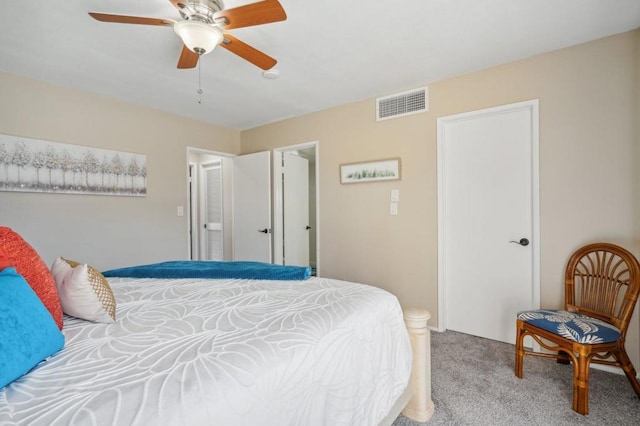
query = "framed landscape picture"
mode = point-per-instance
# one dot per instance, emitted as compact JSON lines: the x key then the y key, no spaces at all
{"x":33,"y":165}
{"x":370,"y":171}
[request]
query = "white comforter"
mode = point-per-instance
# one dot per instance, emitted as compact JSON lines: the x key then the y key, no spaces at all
{"x":223,"y":352}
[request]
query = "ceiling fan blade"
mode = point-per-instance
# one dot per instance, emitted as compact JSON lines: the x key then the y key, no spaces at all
{"x":262,"y":12}
{"x":188,"y":59}
{"x":123,"y":19}
{"x":247,"y":52}
{"x":178,"y":4}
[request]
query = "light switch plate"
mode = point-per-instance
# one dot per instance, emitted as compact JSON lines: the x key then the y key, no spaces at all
{"x":180,"y":211}
{"x":393,"y":209}
{"x":395,"y":195}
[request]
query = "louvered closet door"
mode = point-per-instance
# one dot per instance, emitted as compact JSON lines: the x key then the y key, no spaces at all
{"x":213,"y":211}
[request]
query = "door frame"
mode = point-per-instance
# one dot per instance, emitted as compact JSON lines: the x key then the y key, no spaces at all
{"x":193,"y":204}
{"x":532,"y":106}
{"x":278,"y":213}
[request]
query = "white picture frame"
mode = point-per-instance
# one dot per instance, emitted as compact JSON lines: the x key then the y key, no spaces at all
{"x":370,"y":171}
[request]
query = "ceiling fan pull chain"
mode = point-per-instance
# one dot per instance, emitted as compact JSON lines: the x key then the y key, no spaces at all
{"x":199,"y":84}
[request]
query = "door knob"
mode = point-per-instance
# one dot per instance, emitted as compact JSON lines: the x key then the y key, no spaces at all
{"x":522,"y":242}
{"x":307,"y":227}
{"x":264,"y":231}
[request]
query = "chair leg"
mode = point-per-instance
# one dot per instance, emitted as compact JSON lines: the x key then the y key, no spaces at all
{"x":581,"y":385}
{"x":628,"y":369}
{"x":563,"y":358}
{"x":519,"y":350}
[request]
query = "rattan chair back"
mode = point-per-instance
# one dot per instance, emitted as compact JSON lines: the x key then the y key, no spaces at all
{"x":602,"y":280}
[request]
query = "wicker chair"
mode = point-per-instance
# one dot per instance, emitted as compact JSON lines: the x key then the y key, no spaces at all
{"x":602,"y":283}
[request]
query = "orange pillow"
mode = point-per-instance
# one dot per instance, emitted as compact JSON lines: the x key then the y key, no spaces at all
{"x":4,"y":259}
{"x":30,"y":265}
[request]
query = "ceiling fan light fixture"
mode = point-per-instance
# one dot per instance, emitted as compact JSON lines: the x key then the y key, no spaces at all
{"x":199,"y":37}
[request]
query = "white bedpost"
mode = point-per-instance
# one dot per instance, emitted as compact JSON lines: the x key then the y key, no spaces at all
{"x":420,"y":407}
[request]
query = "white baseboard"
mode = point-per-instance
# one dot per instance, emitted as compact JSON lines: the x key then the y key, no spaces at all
{"x":607,"y":368}
{"x":611,"y":369}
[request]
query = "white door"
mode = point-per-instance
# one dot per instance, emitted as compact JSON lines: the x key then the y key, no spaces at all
{"x":488,"y":206}
{"x":296,"y":210}
{"x":212,"y":214}
{"x":252,"y":207}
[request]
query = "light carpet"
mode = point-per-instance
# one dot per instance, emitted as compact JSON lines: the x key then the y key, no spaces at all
{"x":473,"y":384}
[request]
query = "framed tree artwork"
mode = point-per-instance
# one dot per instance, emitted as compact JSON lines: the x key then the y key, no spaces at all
{"x":33,"y":165}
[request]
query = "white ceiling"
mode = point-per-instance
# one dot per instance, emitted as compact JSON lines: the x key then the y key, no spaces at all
{"x":329,"y":52}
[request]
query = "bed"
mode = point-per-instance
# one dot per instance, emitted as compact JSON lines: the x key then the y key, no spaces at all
{"x":186,"y":351}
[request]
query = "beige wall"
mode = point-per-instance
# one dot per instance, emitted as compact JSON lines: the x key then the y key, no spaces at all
{"x":636,"y":145}
{"x":588,"y":177}
{"x":105,"y":231}
{"x":589,"y":136}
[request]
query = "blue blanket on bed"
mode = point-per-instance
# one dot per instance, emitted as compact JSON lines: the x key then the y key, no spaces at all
{"x":210,"y":269}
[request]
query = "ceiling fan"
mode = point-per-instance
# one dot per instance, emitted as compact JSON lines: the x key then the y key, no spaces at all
{"x":201,"y":29}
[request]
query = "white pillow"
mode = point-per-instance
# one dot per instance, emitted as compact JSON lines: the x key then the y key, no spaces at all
{"x":84,"y":292}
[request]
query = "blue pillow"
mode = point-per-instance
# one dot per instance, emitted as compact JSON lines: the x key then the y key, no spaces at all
{"x":28,"y":333}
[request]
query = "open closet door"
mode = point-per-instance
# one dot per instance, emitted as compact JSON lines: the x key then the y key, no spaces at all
{"x":296,"y":210}
{"x":252,"y":207}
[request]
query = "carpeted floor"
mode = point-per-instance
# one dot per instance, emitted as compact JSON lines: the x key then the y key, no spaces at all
{"x":473,"y":384}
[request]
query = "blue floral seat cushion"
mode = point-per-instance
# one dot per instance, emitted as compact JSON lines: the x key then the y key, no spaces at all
{"x":573,"y":326}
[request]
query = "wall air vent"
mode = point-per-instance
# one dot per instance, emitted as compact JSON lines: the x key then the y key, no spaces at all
{"x":403,"y":104}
